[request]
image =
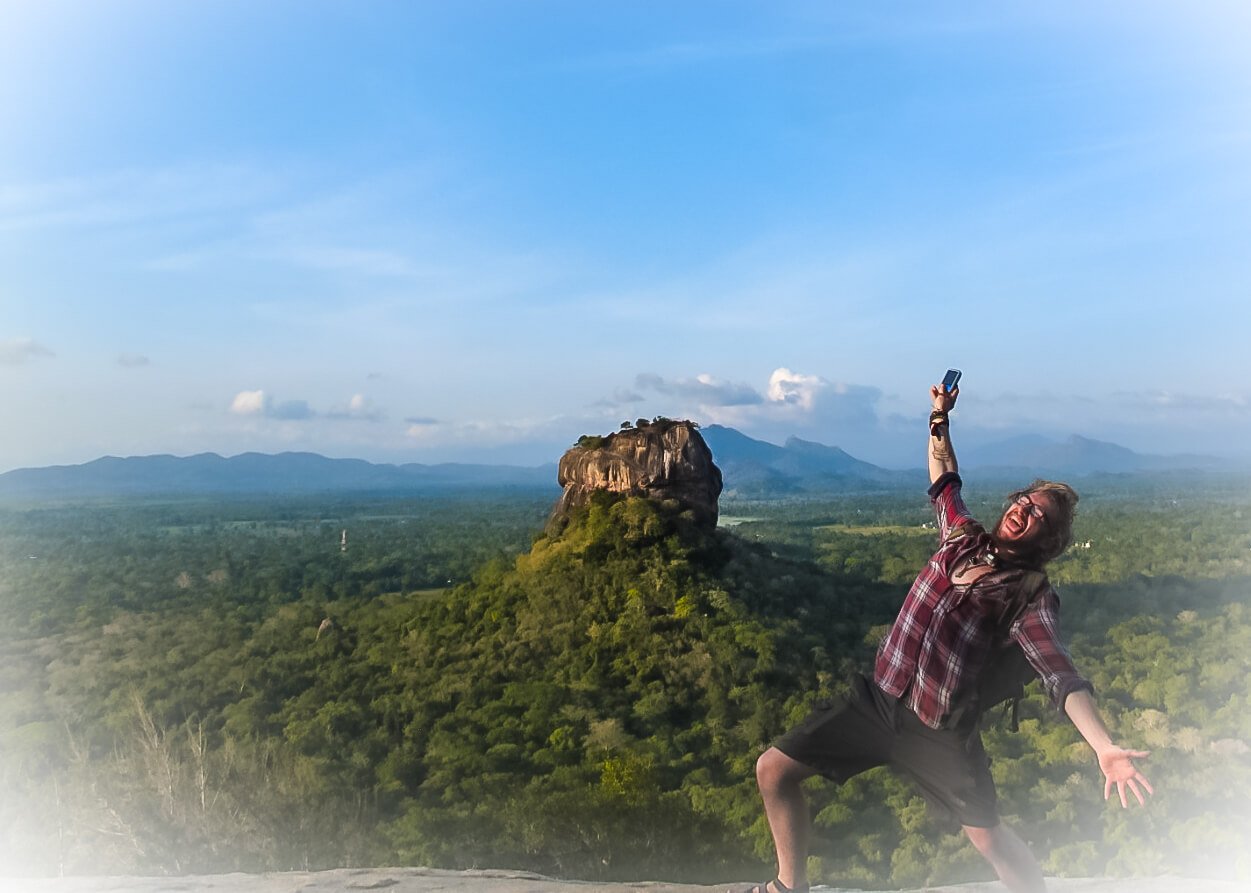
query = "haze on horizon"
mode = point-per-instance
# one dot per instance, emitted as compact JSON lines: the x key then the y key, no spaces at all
{"x":428,"y":232}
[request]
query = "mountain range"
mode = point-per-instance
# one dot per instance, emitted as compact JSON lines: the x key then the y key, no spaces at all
{"x":756,"y":468}
{"x":260,"y":473}
{"x":753,"y":467}
{"x":1081,"y":455}
{"x":750,"y":467}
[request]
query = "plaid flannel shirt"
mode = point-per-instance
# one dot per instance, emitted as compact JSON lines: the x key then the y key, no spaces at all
{"x":944,"y":632}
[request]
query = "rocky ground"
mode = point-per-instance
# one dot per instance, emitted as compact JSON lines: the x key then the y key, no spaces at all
{"x":420,"y":880}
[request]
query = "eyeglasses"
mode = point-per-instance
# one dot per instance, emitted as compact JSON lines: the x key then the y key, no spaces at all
{"x":1035,"y":511}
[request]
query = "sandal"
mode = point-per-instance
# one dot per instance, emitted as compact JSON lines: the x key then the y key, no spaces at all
{"x":778,"y":887}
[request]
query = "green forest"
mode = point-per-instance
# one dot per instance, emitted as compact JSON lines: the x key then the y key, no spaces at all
{"x":192,"y":686}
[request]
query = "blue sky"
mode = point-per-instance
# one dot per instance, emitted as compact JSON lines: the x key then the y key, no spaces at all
{"x":473,"y":231}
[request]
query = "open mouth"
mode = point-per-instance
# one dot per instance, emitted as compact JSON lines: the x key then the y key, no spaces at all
{"x":1015,"y":523}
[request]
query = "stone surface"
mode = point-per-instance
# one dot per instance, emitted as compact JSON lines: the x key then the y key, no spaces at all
{"x":423,"y":880}
{"x":662,"y":460}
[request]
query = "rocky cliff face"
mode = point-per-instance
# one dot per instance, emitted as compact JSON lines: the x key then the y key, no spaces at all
{"x":662,"y":460}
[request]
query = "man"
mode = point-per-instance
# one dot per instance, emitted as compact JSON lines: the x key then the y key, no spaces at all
{"x":918,"y":713}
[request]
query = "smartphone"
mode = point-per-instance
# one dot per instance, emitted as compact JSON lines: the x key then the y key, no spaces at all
{"x":951,"y":379}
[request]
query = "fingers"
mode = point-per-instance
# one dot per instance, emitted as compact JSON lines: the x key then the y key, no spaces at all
{"x":1120,"y":771}
{"x":942,"y":398}
{"x":1134,"y":786}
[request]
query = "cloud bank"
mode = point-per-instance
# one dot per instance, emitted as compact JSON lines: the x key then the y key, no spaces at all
{"x":790,"y":401}
{"x":17,"y":351}
{"x":358,"y":408}
{"x":259,"y":404}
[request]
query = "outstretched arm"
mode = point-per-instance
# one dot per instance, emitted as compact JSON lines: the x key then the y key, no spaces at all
{"x":1116,"y":762}
{"x":942,"y":456}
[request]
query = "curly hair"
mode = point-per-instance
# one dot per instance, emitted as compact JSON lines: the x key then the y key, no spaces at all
{"x":1059,"y":528}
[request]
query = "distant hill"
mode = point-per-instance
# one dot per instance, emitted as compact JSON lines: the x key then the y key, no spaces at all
{"x":760,"y":469}
{"x":283,"y":473}
{"x":1033,"y":454}
{"x":750,"y":468}
{"x":756,"y":468}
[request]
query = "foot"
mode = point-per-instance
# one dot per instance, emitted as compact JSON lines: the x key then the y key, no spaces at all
{"x":775,"y":886}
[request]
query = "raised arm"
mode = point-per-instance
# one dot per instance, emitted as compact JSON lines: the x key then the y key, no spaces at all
{"x":942,"y":456}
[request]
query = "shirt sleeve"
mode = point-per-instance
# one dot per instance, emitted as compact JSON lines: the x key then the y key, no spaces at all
{"x":1037,"y":631}
{"x":949,"y":507}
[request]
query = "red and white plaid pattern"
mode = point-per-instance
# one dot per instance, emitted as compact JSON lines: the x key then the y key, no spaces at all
{"x":943,"y":633}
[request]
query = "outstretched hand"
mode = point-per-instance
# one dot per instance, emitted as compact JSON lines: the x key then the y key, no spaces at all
{"x":943,"y":399}
{"x":1119,"y":770}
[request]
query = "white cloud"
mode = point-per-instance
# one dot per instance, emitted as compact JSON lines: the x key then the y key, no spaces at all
{"x":513,"y":441}
{"x":620,"y":397}
{"x":790,"y":387}
{"x":703,"y":389}
{"x":249,"y":403}
{"x":798,"y":403}
{"x":132,"y":361}
{"x":1231,"y":403}
{"x":797,"y":398}
{"x":259,"y":403}
{"x":790,"y":403}
{"x":16,"y":351}
{"x":358,"y":408}
{"x":1152,"y":422}
{"x":475,"y":433}
{"x":424,"y":431}
{"x":510,"y":442}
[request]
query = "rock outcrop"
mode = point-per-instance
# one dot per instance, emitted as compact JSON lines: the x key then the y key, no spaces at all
{"x":662,"y":460}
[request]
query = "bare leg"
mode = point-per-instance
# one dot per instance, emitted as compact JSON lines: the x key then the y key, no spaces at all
{"x":779,"y":777}
{"x":1009,"y":856}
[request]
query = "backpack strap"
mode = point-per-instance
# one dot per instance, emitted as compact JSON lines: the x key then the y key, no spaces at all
{"x":968,"y":528}
{"x":1030,"y":587}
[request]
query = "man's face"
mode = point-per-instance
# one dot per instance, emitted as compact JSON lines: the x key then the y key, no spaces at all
{"x":1027,"y":519}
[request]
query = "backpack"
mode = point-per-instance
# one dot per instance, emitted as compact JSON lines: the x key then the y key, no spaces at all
{"x":1006,"y":671}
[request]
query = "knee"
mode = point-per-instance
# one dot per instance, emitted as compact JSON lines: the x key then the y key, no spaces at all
{"x":775,"y":769}
{"x":995,"y":843}
{"x":984,"y":839}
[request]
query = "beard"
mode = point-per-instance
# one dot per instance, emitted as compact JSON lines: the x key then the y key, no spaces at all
{"x":1022,"y":552}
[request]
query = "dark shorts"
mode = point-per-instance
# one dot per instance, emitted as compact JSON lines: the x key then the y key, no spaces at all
{"x":867,"y":728}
